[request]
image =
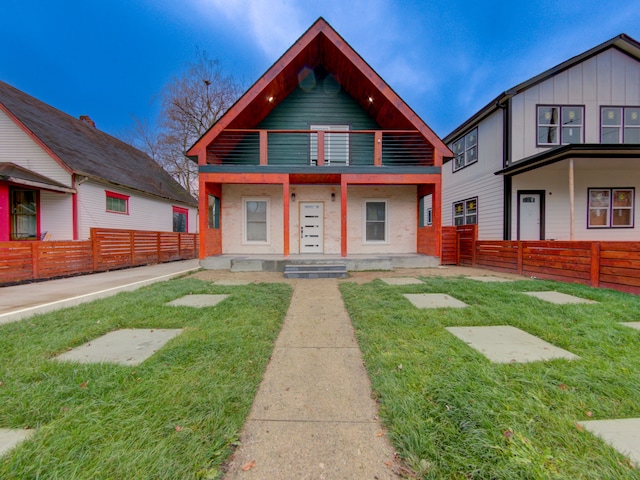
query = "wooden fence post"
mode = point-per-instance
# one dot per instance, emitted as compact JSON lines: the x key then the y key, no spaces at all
{"x":94,"y":248}
{"x":132,"y":248}
{"x":595,"y":264}
{"x":35,"y":270}
{"x":520,"y":266}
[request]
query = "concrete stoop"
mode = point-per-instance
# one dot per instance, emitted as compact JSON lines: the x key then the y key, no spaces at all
{"x":315,"y":270}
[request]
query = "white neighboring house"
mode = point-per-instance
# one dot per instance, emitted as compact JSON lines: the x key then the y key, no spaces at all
{"x":61,"y":176}
{"x":556,"y":157}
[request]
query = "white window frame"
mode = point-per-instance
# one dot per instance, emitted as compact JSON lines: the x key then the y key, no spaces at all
{"x":245,"y":241}
{"x":340,"y":141}
{"x":465,"y":150}
{"x":365,"y":241}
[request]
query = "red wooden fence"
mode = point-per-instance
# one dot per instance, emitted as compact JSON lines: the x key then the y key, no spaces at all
{"x":107,"y":249}
{"x":613,"y":265}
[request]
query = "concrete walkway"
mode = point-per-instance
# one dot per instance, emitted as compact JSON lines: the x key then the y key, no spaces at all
{"x":313,"y":416}
{"x":22,"y":301}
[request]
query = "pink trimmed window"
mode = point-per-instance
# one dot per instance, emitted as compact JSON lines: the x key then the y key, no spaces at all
{"x":117,"y":202}
{"x":180,"y":219}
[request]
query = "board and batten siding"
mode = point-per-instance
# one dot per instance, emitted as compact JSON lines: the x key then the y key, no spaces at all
{"x":478,"y":180}
{"x":145,"y":212}
{"x":610,"y":78}
{"x":554,"y":180}
{"x":17,"y":147}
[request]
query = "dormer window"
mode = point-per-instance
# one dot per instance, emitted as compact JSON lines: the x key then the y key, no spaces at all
{"x":465,"y":150}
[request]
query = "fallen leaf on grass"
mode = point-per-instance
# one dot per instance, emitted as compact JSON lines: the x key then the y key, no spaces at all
{"x":248,"y":466}
{"x":379,"y":434}
{"x":84,"y":384}
{"x":579,"y":427}
{"x":508,"y":434}
{"x":562,"y":386}
{"x":178,"y":428}
{"x":588,"y":414}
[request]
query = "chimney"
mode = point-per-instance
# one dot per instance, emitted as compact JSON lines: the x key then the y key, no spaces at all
{"x":86,"y":119}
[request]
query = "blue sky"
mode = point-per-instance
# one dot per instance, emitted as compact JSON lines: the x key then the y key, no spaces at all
{"x":110,"y":59}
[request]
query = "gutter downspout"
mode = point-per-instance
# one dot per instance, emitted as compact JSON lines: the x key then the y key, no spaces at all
{"x":506,"y":161}
{"x":74,"y":206}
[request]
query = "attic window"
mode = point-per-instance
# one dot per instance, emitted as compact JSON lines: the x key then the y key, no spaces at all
{"x":117,"y":202}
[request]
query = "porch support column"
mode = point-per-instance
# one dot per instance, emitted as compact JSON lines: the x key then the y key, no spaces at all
{"x":571,"y":199}
{"x":343,"y":216}
{"x":436,"y":207}
{"x":203,"y":217}
{"x":285,"y":213}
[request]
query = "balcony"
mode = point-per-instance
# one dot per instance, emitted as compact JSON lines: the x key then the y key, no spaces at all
{"x":320,"y":149}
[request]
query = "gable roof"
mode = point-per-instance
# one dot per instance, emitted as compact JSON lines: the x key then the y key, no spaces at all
{"x":321,"y":45}
{"x":84,"y":150}
{"x":622,"y":42}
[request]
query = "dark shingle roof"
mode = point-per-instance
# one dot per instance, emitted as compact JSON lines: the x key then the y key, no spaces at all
{"x":87,"y":151}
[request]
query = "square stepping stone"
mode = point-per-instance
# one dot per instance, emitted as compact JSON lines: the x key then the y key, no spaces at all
{"x":126,"y":347}
{"x":197,"y":301}
{"x":10,"y":437}
{"x":231,"y":282}
{"x":557,"y":297}
{"x":490,"y":278}
{"x":401,"y":281}
{"x":506,"y":344}
{"x":434,"y":300}
{"x":635,"y":325}
{"x":621,"y":434}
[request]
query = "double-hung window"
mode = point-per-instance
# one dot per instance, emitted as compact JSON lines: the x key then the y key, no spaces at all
{"x":465,"y":150}
{"x":560,"y":125}
{"x":375,"y":221}
{"x":256,"y":220}
{"x":611,"y":207}
{"x":425,"y":211}
{"x":466,"y":212}
{"x":620,"y":125}
{"x":213,"y":207}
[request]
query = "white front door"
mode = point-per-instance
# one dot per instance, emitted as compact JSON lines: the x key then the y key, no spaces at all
{"x":311,"y":227}
{"x":529,"y":216}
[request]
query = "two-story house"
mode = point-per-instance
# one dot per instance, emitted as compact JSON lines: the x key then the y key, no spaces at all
{"x":555,"y":157}
{"x":61,"y":176}
{"x":320,"y":157}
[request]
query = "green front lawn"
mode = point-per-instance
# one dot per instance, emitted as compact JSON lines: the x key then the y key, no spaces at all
{"x":177,"y":415}
{"x":453,"y":414}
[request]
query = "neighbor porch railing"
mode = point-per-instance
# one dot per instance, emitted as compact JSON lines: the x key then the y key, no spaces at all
{"x":107,"y":249}
{"x":613,"y":265}
{"x":320,"y":148}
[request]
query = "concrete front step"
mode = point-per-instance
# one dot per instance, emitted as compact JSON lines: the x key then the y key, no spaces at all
{"x":315,"y":270}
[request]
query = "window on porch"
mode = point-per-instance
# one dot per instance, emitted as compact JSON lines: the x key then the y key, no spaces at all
{"x":375,"y":221}
{"x":256,"y":220}
{"x":24,"y":214}
{"x":611,"y":207}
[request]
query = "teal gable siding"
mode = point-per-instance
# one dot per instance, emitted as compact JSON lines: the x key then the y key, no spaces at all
{"x":322,"y":102}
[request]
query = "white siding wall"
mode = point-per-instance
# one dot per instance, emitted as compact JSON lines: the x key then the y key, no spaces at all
{"x":145,"y":212}
{"x":478,"y":180}
{"x":610,"y":78}
{"x":56,"y":215}
{"x":555,"y":181}
{"x":17,"y":147}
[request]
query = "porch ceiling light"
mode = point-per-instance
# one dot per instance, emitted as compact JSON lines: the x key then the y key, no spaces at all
{"x":270,"y":99}
{"x":370,"y":99}
{"x":293,"y":197}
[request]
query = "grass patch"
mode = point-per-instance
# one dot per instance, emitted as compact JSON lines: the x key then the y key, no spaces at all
{"x":177,"y":415}
{"x":453,"y":414}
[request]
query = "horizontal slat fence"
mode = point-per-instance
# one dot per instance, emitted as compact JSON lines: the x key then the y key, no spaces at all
{"x":613,"y":265}
{"x":108,"y":249}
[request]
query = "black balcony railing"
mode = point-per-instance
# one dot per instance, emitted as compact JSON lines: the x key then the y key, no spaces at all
{"x":320,"y":148}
